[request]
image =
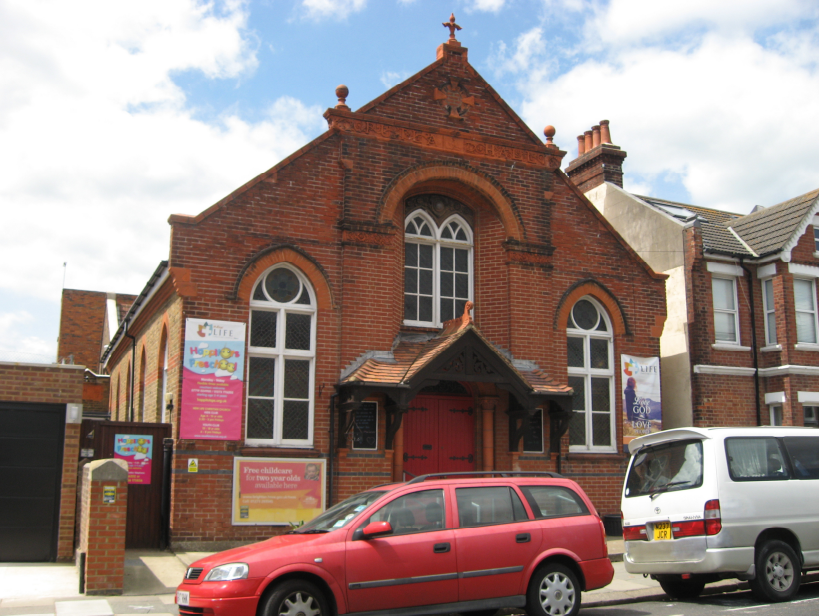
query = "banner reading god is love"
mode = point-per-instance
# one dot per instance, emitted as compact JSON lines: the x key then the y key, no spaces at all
{"x":212,"y":380}
{"x":642,"y":411}
{"x":277,"y":491}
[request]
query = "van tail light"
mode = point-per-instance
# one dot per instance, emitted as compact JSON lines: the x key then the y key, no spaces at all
{"x":713,"y":517}
{"x":634,"y":533}
{"x":694,"y":528}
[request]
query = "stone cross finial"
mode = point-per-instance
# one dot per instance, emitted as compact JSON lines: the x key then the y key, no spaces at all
{"x":452,"y":27}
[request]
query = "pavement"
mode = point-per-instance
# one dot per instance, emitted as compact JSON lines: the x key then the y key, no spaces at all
{"x":151,"y":577}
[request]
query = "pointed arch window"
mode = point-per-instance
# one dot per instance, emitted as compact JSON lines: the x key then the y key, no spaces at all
{"x":591,"y":374}
{"x":281,"y":359}
{"x":437,"y":269}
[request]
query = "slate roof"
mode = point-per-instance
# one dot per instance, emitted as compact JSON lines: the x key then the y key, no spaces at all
{"x":716,"y":237}
{"x":411,"y":356}
{"x":770,"y":230}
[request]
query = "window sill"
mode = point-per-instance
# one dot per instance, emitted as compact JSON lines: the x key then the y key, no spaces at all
{"x":771,"y":348}
{"x":718,"y":346}
{"x":579,"y":453}
{"x":264,"y":451}
{"x":806,"y":346}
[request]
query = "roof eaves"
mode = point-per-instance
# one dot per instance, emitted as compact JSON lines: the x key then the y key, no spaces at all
{"x":154,"y":283}
{"x":799,"y":231}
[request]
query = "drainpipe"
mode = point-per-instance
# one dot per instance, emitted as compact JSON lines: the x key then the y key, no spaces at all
{"x":332,"y":449}
{"x":133,"y":369}
{"x":753,"y":340}
{"x":165,"y":509}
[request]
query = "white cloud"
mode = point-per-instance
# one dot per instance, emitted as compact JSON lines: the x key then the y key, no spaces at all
{"x":330,"y":9}
{"x":99,"y":146}
{"x":392,"y":78}
{"x":727,"y":113}
{"x":18,"y":347}
{"x":491,"y":6}
{"x":630,"y":22}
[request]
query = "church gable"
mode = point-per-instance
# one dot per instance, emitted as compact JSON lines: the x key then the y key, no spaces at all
{"x":451,"y":95}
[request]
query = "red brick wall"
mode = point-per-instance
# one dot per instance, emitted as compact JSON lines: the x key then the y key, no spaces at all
{"x":82,"y":319}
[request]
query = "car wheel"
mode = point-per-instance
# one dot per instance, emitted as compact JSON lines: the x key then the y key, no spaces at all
{"x":553,"y":591}
{"x":295,"y":597}
{"x":777,"y":572}
{"x":678,"y":588}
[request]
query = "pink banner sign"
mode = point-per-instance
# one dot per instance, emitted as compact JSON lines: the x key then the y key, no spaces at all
{"x":137,"y":451}
{"x":212,"y":380}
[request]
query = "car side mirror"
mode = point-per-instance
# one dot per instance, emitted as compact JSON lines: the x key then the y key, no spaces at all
{"x":372,"y":530}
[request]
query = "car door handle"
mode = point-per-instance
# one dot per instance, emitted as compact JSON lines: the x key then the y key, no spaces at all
{"x":523,"y":538}
{"x":440,"y":548}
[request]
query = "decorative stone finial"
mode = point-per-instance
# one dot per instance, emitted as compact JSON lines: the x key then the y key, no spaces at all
{"x":549,"y":131}
{"x":342,"y":91}
{"x":452,"y":27}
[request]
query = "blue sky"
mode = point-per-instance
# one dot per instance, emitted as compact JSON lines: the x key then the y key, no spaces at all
{"x":116,"y":114}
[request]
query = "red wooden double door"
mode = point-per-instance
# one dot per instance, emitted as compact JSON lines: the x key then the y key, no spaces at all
{"x":439,"y":435}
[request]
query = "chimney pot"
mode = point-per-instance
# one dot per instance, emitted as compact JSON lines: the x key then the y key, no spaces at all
{"x":605,"y":132}
{"x":595,"y":135}
{"x":588,"y":137}
{"x":581,"y":145}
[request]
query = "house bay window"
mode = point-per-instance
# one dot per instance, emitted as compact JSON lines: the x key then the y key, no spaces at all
{"x":591,"y":375}
{"x":726,"y":321}
{"x":281,"y":360}
{"x":804,"y":299}
{"x":437,"y":269}
{"x":770,"y":314}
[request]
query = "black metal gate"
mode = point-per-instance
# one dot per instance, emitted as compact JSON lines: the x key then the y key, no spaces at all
{"x":31,"y":465}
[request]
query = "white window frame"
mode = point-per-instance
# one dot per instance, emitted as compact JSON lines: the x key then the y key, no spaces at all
{"x":163,"y":400}
{"x":811,"y":415}
{"x":437,"y":242}
{"x":735,"y":311}
{"x":280,"y":354}
{"x":812,"y":282}
{"x":769,"y":310}
{"x":588,"y":372}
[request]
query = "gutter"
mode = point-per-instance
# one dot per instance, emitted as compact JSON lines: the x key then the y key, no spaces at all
{"x":753,"y":340}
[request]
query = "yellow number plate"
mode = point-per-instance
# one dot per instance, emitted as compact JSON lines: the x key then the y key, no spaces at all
{"x":662,"y":531}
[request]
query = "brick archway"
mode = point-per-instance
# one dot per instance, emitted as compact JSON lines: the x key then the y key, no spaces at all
{"x":436,"y":174}
{"x":598,"y":292}
{"x":284,"y":254}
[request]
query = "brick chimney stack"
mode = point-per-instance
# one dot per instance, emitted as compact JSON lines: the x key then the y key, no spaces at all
{"x":598,"y":159}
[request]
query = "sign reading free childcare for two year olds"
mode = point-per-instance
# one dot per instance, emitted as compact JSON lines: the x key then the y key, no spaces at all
{"x":642,"y":411}
{"x":212,"y":381}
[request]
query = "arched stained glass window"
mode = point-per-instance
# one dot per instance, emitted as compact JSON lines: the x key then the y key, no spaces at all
{"x":437,"y":269}
{"x":281,"y":359}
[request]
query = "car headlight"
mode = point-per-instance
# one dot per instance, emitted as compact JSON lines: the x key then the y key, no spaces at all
{"x":225,"y":573}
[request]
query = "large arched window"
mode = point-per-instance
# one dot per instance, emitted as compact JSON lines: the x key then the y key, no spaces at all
{"x":163,"y":377}
{"x":437,"y":269}
{"x":282,"y":350}
{"x":591,"y":375}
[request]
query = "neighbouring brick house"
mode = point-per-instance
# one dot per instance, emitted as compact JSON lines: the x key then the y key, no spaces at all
{"x":423,"y":269}
{"x":87,"y":320}
{"x":741,"y":341}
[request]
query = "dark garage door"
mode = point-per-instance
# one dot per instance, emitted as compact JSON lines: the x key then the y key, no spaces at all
{"x":31,"y":448}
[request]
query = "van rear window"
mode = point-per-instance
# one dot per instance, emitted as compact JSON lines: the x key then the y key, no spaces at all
{"x":755,"y":459}
{"x":665,"y":468}
{"x":804,"y":453}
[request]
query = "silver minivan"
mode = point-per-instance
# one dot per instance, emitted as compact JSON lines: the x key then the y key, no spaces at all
{"x":704,"y":504}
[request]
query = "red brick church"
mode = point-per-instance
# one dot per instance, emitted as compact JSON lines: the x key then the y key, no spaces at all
{"x":422,"y":290}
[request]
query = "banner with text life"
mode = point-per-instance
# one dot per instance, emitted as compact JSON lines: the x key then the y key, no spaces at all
{"x":212,"y":380}
{"x":642,"y":411}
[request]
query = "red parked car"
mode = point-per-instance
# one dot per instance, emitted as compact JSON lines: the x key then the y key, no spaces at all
{"x":431,"y":545}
